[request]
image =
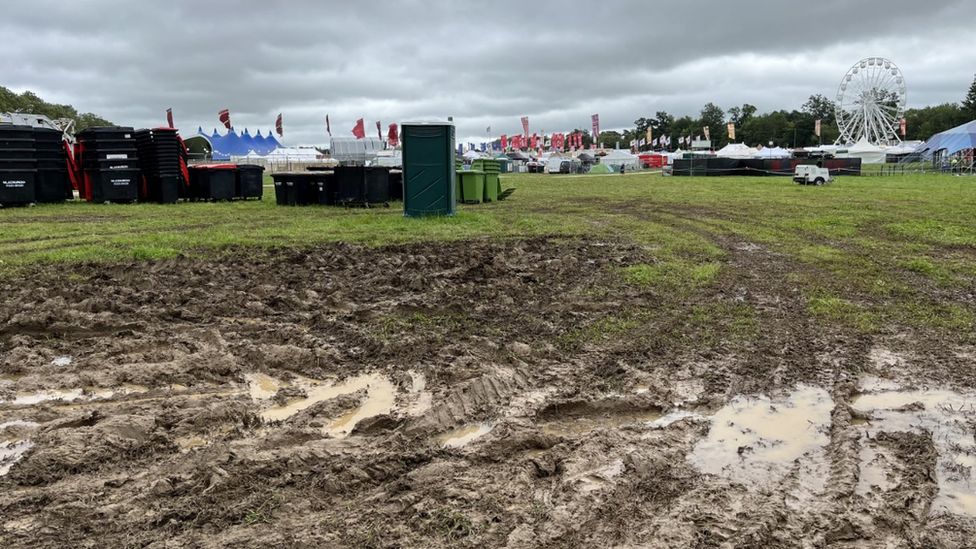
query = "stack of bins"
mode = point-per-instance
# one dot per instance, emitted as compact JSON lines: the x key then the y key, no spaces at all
{"x":109,"y":164}
{"x":18,"y":167}
{"x":160,"y":153}
{"x":491,"y":169}
{"x":52,"y":183}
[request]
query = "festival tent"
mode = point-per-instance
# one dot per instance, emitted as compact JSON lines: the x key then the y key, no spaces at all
{"x":617,"y":157}
{"x":772,"y":152}
{"x":226,"y":146}
{"x":600,"y":169}
{"x":736,"y":150}
{"x":957,"y":139}
{"x":472,"y":155}
{"x":866,"y":151}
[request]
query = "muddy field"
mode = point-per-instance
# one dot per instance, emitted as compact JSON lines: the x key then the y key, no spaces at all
{"x":474,"y":394}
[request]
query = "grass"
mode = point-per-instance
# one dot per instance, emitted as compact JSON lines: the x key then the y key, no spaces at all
{"x":864,"y":251}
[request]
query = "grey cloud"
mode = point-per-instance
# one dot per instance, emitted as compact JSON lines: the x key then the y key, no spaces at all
{"x":484,"y":64}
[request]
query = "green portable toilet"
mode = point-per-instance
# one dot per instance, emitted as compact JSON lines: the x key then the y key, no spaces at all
{"x":428,"y":169}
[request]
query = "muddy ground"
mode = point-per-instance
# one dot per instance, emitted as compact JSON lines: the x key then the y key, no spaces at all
{"x":472,"y":394}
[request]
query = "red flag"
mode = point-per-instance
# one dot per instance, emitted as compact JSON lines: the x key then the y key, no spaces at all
{"x":379,"y":130}
{"x":328,"y":125}
{"x":504,"y":140}
{"x":394,"y":135}
{"x":525,"y":125}
{"x":224,"y":117}
{"x":169,"y":117}
{"x":278,"y":128}
{"x":360,"y":130}
{"x":534,"y":142}
{"x":596,"y":127}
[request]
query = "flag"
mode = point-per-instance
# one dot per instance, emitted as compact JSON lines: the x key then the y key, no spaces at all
{"x":708,"y":132}
{"x":732,"y":131}
{"x":816,"y":128}
{"x":224,"y":117}
{"x":379,"y":130}
{"x":525,"y":125}
{"x":649,"y":134}
{"x":278,"y":129}
{"x":393,"y":136}
{"x":360,"y":130}
{"x":169,"y":117}
{"x":596,"y":126}
{"x":504,"y":141}
{"x":328,"y":125}
{"x":904,"y":127}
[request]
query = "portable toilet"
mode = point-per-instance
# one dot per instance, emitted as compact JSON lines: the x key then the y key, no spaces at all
{"x":428,"y":169}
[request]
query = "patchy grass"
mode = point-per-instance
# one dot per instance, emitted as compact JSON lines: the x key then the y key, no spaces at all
{"x":865,"y":252}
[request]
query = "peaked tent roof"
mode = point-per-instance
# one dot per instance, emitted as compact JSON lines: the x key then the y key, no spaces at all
{"x":736,"y":150}
{"x":952,"y":141}
{"x":229,"y":145}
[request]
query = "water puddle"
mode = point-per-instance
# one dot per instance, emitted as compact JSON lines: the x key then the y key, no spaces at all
{"x":756,"y":440}
{"x":673,"y":417}
{"x":71,"y":395}
{"x":576,"y":426}
{"x":380,"y":399}
{"x":62,"y":361}
{"x":950,"y":418}
{"x":420,"y":399}
{"x":462,"y":436}
{"x":14,"y":443}
{"x":263,"y":386}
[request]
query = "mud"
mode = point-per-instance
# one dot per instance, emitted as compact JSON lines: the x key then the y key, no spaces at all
{"x":473,"y":394}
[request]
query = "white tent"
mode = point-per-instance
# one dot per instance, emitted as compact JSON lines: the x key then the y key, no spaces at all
{"x":867,"y":152}
{"x":472,"y":155}
{"x":772,"y":152}
{"x":617,"y":157}
{"x":554,"y":162}
{"x":736,"y":150}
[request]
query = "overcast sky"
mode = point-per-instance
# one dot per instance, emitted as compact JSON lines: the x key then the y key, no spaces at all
{"x":484,"y":63}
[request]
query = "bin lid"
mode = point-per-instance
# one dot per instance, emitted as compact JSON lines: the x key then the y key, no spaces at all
{"x":427,"y":123}
{"x":214,"y":166}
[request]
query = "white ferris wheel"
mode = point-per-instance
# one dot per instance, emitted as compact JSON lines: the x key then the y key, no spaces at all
{"x":871,"y":102}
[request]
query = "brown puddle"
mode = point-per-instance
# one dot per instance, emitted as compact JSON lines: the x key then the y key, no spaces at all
{"x":14,"y":443}
{"x":756,"y":440}
{"x":949,"y":417}
{"x":263,"y":386}
{"x":462,"y":436}
{"x":380,"y":399}
{"x":71,"y":395}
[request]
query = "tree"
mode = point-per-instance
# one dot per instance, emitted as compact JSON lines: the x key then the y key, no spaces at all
{"x":713,"y":117}
{"x":29,"y":102}
{"x":969,"y":103}
{"x":820,"y":108}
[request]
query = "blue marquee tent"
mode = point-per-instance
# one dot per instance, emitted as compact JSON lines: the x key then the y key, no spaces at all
{"x":952,"y":141}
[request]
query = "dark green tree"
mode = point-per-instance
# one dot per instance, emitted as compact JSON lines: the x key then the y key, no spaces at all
{"x":969,"y":103}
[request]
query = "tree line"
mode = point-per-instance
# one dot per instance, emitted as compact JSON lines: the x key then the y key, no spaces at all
{"x":781,"y":128}
{"x":29,"y":102}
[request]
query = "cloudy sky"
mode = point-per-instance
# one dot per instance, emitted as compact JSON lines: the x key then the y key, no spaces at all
{"x":484,"y":63}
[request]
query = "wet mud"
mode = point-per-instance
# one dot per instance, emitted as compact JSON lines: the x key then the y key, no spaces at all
{"x":472,"y":394}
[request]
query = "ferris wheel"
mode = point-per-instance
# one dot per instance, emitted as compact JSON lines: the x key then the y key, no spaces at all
{"x":871,"y":102}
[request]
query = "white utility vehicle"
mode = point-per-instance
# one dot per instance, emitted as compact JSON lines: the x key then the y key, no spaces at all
{"x":811,"y":175}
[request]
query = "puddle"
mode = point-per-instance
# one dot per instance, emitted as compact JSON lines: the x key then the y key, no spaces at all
{"x":71,"y":395}
{"x":14,"y":443}
{"x":420,"y":399}
{"x":462,"y":436}
{"x":380,"y":399}
{"x":262,"y":386}
{"x":883,"y":359}
{"x":587,"y":424}
{"x":950,"y":418}
{"x":875,"y":465}
{"x":756,"y":440}
{"x":62,"y":361}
